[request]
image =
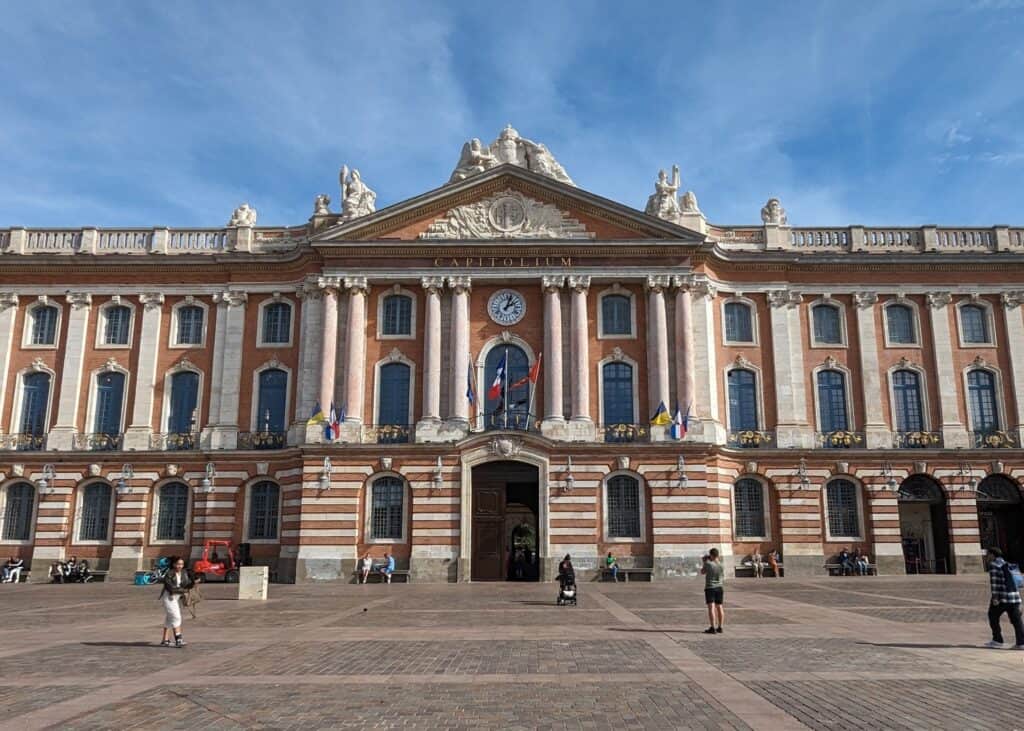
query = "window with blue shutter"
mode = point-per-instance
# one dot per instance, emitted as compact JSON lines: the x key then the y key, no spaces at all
{"x":739,"y":326}
{"x":397,"y":315}
{"x":393,"y":394}
{"x":981,"y":395}
{"x":616,"y":315}
{"x":109,"y":400}
{"x":617,"y":396}
{"x":273,"y":394}
{"x":832,"y":401}
{"x":906,"y":389}
{"x":35,"y":396}
{"x":742,"y":399}
{"x":184,"y":397}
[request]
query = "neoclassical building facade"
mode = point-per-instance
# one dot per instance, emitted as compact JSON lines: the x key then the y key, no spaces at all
{"x":497,"y":352}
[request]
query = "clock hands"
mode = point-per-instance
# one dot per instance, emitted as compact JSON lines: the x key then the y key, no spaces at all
{"x":509,"y":302}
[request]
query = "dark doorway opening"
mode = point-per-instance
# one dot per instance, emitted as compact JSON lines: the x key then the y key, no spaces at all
{"x":505,"y":522}
{"x":1001,"y":516}
{"x":924,"y":526}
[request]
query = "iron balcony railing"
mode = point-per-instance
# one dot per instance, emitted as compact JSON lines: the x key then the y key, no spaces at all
{"x":751,"y":438}
{"x":511,"y":420}
{"x":916,"y":439}
{"x":262,"y":439}
{"x":387,"y":433}
{"x":624,"y":433}
{"x":839,"y":439}
{"x":23,"y":442}
{"x":994,"y":439}
{"x":174,"y":441}
{"x":98,"y":442}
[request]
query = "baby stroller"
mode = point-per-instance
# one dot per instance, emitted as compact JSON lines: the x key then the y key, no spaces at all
{"x":567,"y":588}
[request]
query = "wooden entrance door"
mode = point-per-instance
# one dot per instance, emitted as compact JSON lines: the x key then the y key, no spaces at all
{"x":488,"y":531}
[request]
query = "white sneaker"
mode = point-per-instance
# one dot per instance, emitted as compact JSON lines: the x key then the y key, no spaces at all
{"x":995,"y":645}
{"x":1018,"y":647}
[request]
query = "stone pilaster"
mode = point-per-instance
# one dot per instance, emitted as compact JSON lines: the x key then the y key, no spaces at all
{"x":8,"y":312}
{"x":954,"y":435}
{"x":307,"y":385}
{"x":355,"y":359}
{"x":137,"y":435}
{"x":554,"y":414}
{"x":225,"y":387}
{"x":429,"y":425}
{"x":657,"y":349}
{"x":876,"y":430}
{"x":708,"y":420}
{"x":62,"y":434}
{"x":792,"y":428}
{"x":582,"y":426}
{"x":1014,"y":313}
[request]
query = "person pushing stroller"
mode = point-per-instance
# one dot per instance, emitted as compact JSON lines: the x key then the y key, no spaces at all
{"x":566,"y":582}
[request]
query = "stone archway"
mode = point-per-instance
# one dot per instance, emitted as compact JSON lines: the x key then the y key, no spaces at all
{"x":1001,"y":516}
{"x":924,"y":526}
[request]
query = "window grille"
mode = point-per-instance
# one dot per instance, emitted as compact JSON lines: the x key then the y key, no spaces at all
{"x":616,"y":317}
{"x":397,"y":315}
{"x":843,"y":512}
{"x":18,"y":513}
{"x":264,"y":505}
{"x":386,"y":510}
{"x":170,"y":524}
{"x":277,"y":318}
{"x":190,"y":325}
{"x":748,"y":495}
{"x":95,"y":513}
{"x":739,"y":326}
{"x":623,"y":507}
{"x":827,"y":327}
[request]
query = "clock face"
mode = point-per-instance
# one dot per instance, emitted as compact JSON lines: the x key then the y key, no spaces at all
{"x":506,"y":307}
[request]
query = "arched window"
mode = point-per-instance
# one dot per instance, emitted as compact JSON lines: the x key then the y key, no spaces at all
{"x":20,"y":503}
{"x":616,"y":315}
{"x":116,"y":323}
{"x":386,"y":504}
{"x":264,"y":508}
{"x":899,"y":320}
{"x":397,"y":315}
{"x":617,"y":396}
{"x":827,"y":326}
{"x":843,"y":509}
{"x":906,"y":391}
{"x":35,"y":396}
{"x":507,"y":400}
{"x":273,"y":394}
{"x":184,"y":397}
{"x":173,"y":514}
{"x":832,"y":401}
{"x":109,"y":400}
{"x":623,"y":506}
{"x":739,"y":325}
{"x":277,"y":323}
{"x":981,"y":395}
{"x":742,"y":399}
{"x":393,"y":395}
{"x":998,"y":489}
{"x":44,"y":325}
{"x":748,"y":502}
{"x":974,"y":324}
{"x":95,"y":525}
{"x":190,"y":325}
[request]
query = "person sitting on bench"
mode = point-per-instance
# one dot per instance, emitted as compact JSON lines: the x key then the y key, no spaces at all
{"x":846,"y":566}
{"x":12,"y":570}
{"x":611,"y":564}
{"x":388,"y":568}
{"x":860,"y":561}
{"x":773,"y":562}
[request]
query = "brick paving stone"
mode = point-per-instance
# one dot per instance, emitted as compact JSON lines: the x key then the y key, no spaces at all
{"x":698,"y":617}
{"x":915,"y":615}
{"x":510,"y":618}
{"x":609,"y":705}
{"x":16,"y":700}
{"x":101,"y":659}
{"x":460,"y":657}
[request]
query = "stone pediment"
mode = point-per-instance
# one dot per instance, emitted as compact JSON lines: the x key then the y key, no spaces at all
{"x":507,"y":214}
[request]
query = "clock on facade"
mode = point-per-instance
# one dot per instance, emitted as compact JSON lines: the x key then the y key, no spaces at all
{"x":506,"y":307}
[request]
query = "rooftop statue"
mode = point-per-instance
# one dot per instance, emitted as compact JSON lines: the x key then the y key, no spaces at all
{"x":322,"y":205}
{"x":509,"y":148}
{"x":773,"y":213}
{"x":356,"y":198}
{"x":662,"y":203}
{"x":688,"y":202}
{"x":244,"y":215}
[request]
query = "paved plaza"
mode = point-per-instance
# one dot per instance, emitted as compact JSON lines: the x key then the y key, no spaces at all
{"x":840,"y":653}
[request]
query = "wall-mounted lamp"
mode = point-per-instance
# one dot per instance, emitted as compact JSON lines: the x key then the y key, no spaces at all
{"x":890,"y":479}
{"x":437,"y":479}
{"x":127,"y":473}
{"x":681,"y":478}
{"x":45,"y":483}
{"x":801,"y":474}
{"x":570,"y":480}
{"x":206,"y":484}
{"x":325,"y":474}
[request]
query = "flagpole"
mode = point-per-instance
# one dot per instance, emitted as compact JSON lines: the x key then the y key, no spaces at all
{"x":504,"y":376}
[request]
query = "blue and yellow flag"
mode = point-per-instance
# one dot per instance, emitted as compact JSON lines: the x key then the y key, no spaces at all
{"x":661,"y":416}
{"x":317,"y":416}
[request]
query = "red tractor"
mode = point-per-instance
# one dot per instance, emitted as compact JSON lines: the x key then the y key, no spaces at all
{"x":223,"y":565}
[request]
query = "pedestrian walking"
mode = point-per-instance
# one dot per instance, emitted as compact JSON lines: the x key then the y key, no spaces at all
{"x":714,"y":590}
{"x":1005,"y":598}
{"x":176,"y":583}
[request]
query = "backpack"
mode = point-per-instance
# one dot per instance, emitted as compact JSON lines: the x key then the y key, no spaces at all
{"x":1014,"y":578}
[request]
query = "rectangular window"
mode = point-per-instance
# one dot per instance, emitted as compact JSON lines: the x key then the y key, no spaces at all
{"x":386,"y":518}
{"x":749,"y":496}
{"x":18,"y":514}
{"x":623,"y":507}
{"x":974,"y":322}
{"x":277,"y":318}
{"x":173,"y":513}
{"x":44,"y":325}
{"x":843,"y":519}
{"x":117,"y":321}
{"x":616,"y":315}
{"x":827,"y":327}
{"x":190,"y":326}
{"x":263,"y":510}
{"x":397,"y":315}
{"x":738,"y":323}
{"x":95,"y":513}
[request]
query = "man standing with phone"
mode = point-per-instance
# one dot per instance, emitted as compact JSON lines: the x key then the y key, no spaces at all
{"x":714,"y":589}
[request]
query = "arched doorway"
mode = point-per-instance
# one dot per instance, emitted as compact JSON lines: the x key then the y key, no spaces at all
{"x":505,"y":527}
{"x":924,"y":526}
{"x":1001,"y":516}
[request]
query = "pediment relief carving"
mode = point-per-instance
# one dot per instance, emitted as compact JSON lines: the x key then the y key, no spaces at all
{"x":507,"y":214}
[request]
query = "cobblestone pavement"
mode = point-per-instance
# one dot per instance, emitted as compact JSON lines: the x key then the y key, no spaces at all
{"x":840,"y":653}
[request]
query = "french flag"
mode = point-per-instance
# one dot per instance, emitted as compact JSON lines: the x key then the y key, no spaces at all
{"x":499,"y":379}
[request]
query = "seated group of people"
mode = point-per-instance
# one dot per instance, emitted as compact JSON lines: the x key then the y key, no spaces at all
{"x":11,"y":573}
{"x":858,"y":563}
{"x":71,"y":571}
{"x":759,"y":562}
{"x":385,"y":569}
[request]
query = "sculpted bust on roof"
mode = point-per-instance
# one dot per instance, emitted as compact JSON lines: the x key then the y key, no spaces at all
{"x":508,"y":148}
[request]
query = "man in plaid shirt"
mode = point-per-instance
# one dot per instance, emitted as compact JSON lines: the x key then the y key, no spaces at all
{"x":1005,"y":598}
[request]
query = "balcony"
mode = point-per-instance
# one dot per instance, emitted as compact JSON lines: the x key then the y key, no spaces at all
{"x":839,"y":439}
{"x":387,"y":433}
{"x":916,"y":439}
{"x":98,"y":442}
{"x":262,"y":439}
{"x":751,"y":438}
{"x":624,"y":433}
{"x":511,"y":421}
{"x":23,"y":442}
{"x":174,"y":441}
{"x":994,"y":439}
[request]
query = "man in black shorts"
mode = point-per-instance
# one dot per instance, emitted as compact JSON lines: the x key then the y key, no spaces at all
{"x":714,"y":588}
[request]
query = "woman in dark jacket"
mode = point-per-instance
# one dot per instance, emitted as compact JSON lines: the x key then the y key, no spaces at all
{"x":176,"y":582}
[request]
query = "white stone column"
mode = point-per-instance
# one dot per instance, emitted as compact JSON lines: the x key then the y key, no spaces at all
{"x":62,"y":434}
{"x":877,"y":434}
{"x":554,"y":412}
{"x":954,"y":435}
{"x":460,"y":352}
{"x":429,"y":425}
{"x":657,"y":349}
{"x":685,"y":363}
{"x":137,"y":436}
{"x":580,"y":339}
{"x":792,"y":428}
{"x":355,"y":370}
{"x":708,"y":421}
{"x":307,"y":385}
{"x":1014,"y":313}
{"x":225,"y":386}
{"x":328,"y":342}
{"x":8,"y":312}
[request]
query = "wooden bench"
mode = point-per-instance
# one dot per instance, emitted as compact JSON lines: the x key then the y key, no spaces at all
{"x":747,"y":569}
{"x":642,"y":574}
{"x":93,"y":576}
{"x":375,"y":575}
{"x":836,"y":569}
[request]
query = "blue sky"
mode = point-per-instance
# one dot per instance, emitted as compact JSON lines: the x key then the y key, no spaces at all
{"x":144,"y":114}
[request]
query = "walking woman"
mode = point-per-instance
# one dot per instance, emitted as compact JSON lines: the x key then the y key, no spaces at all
{"x":176,"y":583}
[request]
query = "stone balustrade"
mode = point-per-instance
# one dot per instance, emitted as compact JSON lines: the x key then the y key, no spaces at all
{"x":146,"y":240}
